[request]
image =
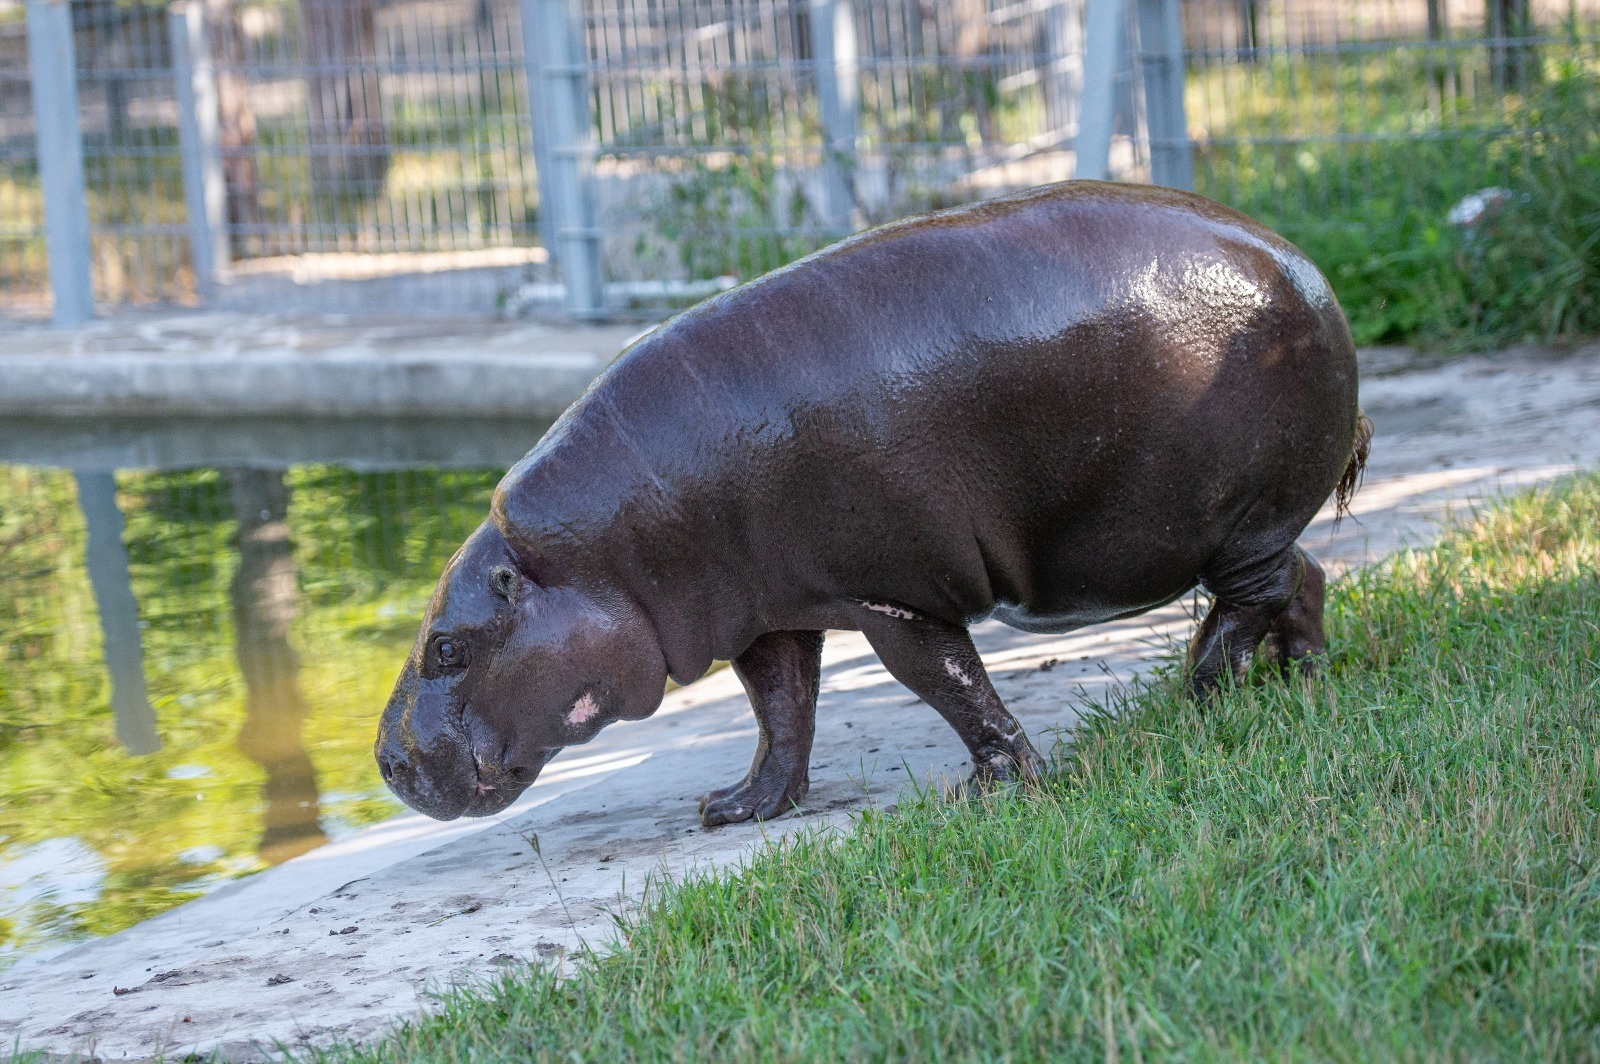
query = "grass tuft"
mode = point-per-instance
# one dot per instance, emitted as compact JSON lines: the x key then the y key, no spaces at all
{"x":1398,"y":860}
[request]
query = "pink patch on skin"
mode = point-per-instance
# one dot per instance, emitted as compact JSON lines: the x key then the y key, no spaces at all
{"x":583,"y":710}
{"x":956,"y":674}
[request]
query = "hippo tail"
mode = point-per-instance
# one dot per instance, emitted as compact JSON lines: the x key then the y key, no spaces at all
{"x":1350,"y":479}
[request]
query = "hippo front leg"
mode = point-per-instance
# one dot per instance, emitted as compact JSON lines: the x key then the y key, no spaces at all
{"x":780,"y":672}
{"x":938,"y":662}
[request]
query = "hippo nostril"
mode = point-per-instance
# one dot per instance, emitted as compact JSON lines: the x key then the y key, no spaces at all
{"x":387,"y":768}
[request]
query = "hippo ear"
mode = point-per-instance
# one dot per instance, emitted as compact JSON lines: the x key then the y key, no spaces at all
{"x":504,"y":581}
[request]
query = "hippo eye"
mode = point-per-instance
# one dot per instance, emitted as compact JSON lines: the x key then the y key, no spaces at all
{"x":503,"y":582}
{"x":450,"y":654}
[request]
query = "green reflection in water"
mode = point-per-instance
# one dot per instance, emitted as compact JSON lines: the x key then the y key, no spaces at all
{"x":274,"y":607}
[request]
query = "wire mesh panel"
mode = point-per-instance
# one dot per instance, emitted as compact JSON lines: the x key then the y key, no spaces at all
{"x":128,"y":117}
{"x":349,"y":127}
{"x":1364,"y":87}
{"x":737,"y":135}
{"x":24,"y":286}
{"x":357,"y":141}
{"x":361,"y":141}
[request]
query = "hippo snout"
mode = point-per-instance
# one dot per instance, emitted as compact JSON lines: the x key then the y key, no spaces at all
{"x":448,"y":776}
{"x":442,"y":792}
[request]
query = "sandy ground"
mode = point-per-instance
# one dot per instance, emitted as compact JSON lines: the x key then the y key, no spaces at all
{"x":340,"y":943}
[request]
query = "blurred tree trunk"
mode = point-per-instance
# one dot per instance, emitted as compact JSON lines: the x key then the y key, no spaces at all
{"x":349,"y":146}
{"x":265,"y":601}
{"x":1510,"y":62}
{"x":236,"y":128}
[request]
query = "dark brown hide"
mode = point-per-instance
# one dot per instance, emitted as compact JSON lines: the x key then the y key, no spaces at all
{"x":1060,"y":407}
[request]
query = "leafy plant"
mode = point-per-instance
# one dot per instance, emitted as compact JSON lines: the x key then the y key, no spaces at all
{"x":730,"y":217}
{"x":1533,"y":273}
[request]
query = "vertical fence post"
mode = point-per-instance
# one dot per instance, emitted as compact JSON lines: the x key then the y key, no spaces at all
{"x":1097,"y":104}
{"x":205,"y":193}
{"x":107,"y":561}
{"x":54,"y":74}
{"x":1161,"y":64}
{"x":543,"y":159}
{"x":833,"y":28}
{"x":556,"y":56}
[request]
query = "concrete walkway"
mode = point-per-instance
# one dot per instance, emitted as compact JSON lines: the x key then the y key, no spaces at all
{"x":339,"y":943}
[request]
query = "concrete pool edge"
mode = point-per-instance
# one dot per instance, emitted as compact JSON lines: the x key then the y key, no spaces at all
{"x":239,"y":365}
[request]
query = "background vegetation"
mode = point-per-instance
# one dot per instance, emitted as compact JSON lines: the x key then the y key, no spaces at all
{"x":1356,"y":158}
{"x":1372,"y":213}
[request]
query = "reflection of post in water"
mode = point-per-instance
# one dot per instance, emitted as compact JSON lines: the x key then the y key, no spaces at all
{"x":107,"y":561}
{"x":264,"y":602}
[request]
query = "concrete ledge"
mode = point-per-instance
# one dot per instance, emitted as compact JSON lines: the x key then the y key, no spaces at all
{"x":227,"y":365}
{"x":106,"y":442}
{"x":223,"y":365}
{"x":536,"y":385}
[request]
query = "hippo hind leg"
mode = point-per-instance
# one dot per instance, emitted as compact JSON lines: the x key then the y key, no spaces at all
{"x":780,"y":672}
{"x":938,"y":662}
{"x":1248,"y":599}
{"x":1296,"y":641}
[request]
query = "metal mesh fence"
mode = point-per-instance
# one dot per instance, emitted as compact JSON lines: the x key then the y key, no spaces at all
{"x":357,"y":141}
{"x":353,"y":128}
{"x":127,"y":117}
{"x":382,"y":153}
{"x":361,"y":141}
{"x":23,"y":288}
{"x":1321,"y":113}
{"x":716,"y":121}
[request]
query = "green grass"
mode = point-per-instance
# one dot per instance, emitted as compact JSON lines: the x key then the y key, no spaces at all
{"x":1398,"y":861}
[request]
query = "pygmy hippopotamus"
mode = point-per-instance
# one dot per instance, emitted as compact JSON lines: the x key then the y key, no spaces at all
{"x":1060,"y":407}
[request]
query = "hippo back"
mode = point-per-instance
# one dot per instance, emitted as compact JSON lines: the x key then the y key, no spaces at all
{"x":1060,"y":403}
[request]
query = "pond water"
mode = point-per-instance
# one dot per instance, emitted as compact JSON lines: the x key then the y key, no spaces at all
{"x":199,"y":625}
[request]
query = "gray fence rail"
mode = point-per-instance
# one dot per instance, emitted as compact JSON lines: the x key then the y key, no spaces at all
{"x":624,"y":156}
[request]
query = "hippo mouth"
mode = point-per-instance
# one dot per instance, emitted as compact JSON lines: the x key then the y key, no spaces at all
{"x":457,"y":777}
{"x":483,"y":793}
{"x":491,"y":801}
{"x":491,"y":791}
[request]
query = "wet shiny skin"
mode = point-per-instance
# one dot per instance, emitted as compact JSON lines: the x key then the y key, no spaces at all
{"x":1059,"y":407}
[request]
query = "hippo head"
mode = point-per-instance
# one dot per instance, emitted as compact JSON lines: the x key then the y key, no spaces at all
{"x":506,"y":672}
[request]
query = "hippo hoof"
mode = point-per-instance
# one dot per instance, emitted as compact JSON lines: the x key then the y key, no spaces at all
{"x":1311,"y":665}
{"x":1002,"y":771}
{"x":745,"y":801}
